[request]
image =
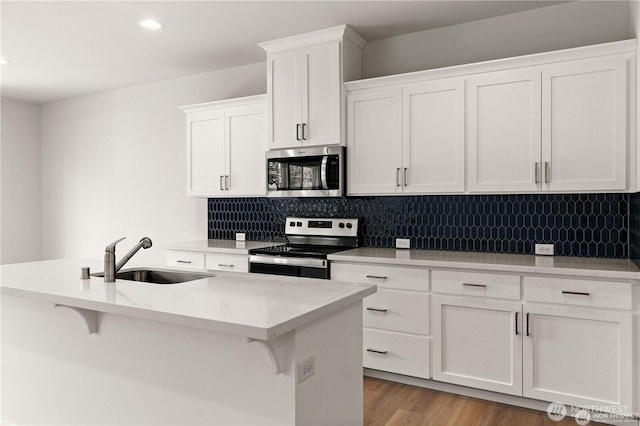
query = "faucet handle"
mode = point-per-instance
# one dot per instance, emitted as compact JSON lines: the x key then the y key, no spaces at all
{"x":111,"y":248}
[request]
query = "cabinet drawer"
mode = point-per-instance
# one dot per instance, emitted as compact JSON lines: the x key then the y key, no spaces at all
{"x":397,"y":353}
{"x":569,"y":291}
{"x":382,"y":275}
{"x":476,"y":284}
{"x":185,"y":259}
{"x":228,"y":262}
{"x":397,"y":310}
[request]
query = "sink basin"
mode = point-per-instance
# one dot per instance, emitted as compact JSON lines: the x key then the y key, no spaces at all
{"x":158,"y":276}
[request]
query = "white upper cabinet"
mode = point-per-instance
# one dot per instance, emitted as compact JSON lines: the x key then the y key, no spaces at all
{"x":375,"y":142}
{"x":408,"y":140}
{"x":433,"y":137}
{"x":305,"y":98}
{"x":504,"y":131}
{"x":584,"y":126}
{"x":558,"y":122}
{"x":226,"y":148}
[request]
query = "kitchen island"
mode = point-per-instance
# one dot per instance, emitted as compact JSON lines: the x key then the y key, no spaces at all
{"x":229,"y":349}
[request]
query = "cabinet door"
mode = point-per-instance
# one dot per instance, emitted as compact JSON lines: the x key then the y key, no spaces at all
{"x":585,"y":126}
{"x":205,"y":153}
{"x":578,"y":356}
{"x":477,"y":342}
{"x":504,"y":131}
{"x":284,"y":88}
{"x":433,"y":137}
{"x":375,"y":142}
{"x":321,"y":95}
{"x":246,"y":163}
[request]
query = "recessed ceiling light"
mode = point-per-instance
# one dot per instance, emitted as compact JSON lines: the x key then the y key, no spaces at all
{"x":4,"y":61}
{"x":150,"y":24}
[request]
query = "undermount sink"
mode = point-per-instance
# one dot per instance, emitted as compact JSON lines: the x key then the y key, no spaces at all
{"x":157,"y":276}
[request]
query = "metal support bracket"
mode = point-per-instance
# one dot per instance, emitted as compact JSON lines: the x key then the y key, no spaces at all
{"x":90,"y":317}
{"x":275,"y":349}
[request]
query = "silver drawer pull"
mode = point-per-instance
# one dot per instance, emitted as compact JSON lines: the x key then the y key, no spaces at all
{"x":377,"y":309}
{"x":378,"y":277}
{"x":375,"y":351}
{"x":474,"y":285}
{"x":225,"y":265}
{"x":577,"y":293}
{"x":183,"y":261}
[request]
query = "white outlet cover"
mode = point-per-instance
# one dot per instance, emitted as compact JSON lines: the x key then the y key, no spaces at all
{"x":544,"y":249}
{"x":240,"y":236}
{"x":306,"y":368}
{"x":403,"y":243}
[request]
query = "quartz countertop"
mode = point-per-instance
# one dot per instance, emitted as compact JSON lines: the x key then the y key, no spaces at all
{"x":518,"y":263}
{"x":251,"y":305}
{"x":221,"y":246}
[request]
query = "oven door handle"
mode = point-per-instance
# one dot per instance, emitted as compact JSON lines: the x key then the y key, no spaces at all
{"x":323,"y":172}
{"x":289,"y":261}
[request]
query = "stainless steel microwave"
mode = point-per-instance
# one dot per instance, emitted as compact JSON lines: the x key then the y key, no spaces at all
{"x":306,"y":172}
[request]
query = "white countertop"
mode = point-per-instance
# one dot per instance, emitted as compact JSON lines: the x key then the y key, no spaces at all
{"x":251,"y":305}
{"x":221,"y":246}
{"x":518,"y":263}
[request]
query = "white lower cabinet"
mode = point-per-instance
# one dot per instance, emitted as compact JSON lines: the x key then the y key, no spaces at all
{"x":227,"y":262}
{"x":185,"y":259}
{"x":396,"y":319}
{"x":578,"y":356}
{"x":477,"y":342}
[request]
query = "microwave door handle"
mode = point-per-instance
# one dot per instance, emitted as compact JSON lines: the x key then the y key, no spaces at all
{"x":323,"y":172}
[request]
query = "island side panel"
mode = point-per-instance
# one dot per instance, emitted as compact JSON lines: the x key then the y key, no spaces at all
{"x":134,"y":371}
{"x":334,"y":394}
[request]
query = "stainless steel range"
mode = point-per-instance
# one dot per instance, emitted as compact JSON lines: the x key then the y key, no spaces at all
{"x":310,"y":241}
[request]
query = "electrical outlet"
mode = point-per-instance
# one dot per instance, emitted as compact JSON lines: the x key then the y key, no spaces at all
{"x":306,"y":368}
{"x":240,"y":236}
{"x":544,"y":249}
{"x":403,"y":243}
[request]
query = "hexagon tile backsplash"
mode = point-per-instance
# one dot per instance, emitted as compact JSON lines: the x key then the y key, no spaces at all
{"x":587,"y":225}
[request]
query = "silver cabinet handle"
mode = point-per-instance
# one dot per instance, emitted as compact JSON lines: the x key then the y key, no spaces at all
{"x":517,"y":323}
{"x":376,"y":351}
{"x":536,"y":171}
{"x":298,"y":131}
{"x":404,"y":180}
{"x":376,"y":309}
{"x":398,"y":176}
{"x":547,"y":172}
{"x":221,"y":185}
{"x":474,"y":285}
{"x":378,"y":277}
{"x":226,"y":182}
{"x":183,"y":261}
{"x":577,"y":293}
{"x":304,"y":126}
{"x":225,"y":265}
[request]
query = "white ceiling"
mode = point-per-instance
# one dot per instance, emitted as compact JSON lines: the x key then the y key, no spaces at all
{"x":63,"y":49}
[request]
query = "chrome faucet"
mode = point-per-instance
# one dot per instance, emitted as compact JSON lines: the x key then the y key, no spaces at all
{"x":110,"y":266}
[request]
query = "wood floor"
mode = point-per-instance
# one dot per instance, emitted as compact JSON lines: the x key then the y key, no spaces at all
{"x":390,"y":404}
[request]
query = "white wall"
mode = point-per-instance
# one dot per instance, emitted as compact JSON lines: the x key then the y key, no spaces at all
{"x":550,"y":28}
{"x":20,"y":227}
{"x":114,"y":164}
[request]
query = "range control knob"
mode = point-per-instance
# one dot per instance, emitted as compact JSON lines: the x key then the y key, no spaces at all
{"x":292,"y":224}
{"x":341,"y":225}
{"x":349,"y":225}
{"x":299,"y":223}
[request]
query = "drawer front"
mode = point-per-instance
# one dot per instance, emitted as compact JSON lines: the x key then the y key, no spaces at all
{"x":570,"y":291}
{"x":382,"y":275}
{"x":228,"y":262}
{"x":476,"y":284}
{"x":397,"y":353}
{"x":397,"y":310}
{"x":185,"y":259}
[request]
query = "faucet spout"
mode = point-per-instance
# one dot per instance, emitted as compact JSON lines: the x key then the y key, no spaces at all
{"x":110,"y":266}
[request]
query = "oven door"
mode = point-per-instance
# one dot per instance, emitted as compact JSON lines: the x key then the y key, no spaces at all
{"x":306,"y":172}
{"x":291,"y":266}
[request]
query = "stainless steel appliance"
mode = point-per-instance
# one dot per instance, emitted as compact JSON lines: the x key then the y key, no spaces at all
{"x":306,"y":172}
{"x":310,"y":241}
